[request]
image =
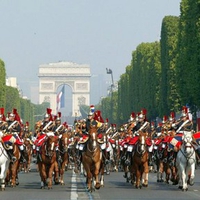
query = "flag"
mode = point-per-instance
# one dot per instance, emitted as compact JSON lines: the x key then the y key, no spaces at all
{"x":196,"y":136}
{"x":175,"y":141}
{"x":61,"y":99}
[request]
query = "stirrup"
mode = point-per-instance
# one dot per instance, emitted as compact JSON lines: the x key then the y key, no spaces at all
{"x":13,"y":159}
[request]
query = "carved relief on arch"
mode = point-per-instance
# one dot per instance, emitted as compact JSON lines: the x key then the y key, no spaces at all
{"x":46,"y":86}
{"x":68,"y":83}
{"x":47,"y":99}
{"x":81,"y":100}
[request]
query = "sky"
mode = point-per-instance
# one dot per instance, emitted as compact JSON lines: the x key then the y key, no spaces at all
{"x":102,"y":34}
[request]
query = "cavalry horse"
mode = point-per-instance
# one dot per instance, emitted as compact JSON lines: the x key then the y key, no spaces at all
{"x":4,"y":164}
{"x":27,"y":155}
{"x":12,"y":172}
{"x":63,"y":155}
{"x":140,"y":162}
{"x":185,"y":162}
{"x":47,"y":163}
{"x":92,"y":160}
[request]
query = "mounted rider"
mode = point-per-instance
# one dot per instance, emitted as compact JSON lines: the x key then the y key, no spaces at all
{"x":13,"y":131}
{"x":142,"y":124}
{"x":58,"y":128}
{"x":184,"y":123}
{"x":45,"y":128}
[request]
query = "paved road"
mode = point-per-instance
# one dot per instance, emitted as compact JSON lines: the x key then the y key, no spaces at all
{"x":115,"y":188}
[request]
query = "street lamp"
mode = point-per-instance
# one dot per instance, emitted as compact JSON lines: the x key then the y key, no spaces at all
{"x":109,"y":71}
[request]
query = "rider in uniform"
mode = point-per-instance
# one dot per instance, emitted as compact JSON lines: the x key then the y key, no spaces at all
{"x":142,"y":124}
{"x":14,"y":128}
{"x":184,"y":123}
{"x":46,"y":126}
{"x":58,"y":128}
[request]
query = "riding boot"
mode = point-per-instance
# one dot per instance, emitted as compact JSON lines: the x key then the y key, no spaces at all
{"x":11,"y":156}
{"x":198,"y":156}
{"x":58,"y":157}
{"x":38,"y":157}
{"x":22,"y":157}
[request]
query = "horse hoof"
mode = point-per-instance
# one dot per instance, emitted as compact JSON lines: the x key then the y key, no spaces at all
{"x":180,"y":187}
{"x":184,"y":190}
{"x":140,"y":187}
{"x":191,"y":183}
{"x":97,"y":186}
{"x":145,"y":185}
{"x":175,"y":183}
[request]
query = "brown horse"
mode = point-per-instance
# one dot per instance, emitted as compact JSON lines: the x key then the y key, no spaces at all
{"x":63,"y":155}
{"x":27,"y":155}
{"x":12,"y":173}
{"x":92,"y":159}
{"x":140,"y":162}
{"x":47,"y":163}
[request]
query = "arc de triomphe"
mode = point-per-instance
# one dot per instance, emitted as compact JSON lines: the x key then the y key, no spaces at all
{"x":53,"y":75}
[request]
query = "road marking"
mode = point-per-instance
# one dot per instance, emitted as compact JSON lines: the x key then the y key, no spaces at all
{"x":74,"y":195}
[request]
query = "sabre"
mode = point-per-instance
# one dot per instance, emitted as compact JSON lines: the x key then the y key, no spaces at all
{"x":12,"y":125}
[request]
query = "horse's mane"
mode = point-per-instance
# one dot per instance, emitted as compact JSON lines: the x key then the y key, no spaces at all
{"x":93,"y":129}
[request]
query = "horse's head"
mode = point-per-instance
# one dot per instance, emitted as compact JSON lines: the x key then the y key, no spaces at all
{"x":93,"y":136}
{"x":51,"y":144}
{"x":142,"y":142}
{"x":187,"y":141}
{"x":64,"y":142}
{"x":27,"y":145}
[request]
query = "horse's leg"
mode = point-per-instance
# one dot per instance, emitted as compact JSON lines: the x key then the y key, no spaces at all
{"x":96,"y":173}
{"x":138,"y":176}
{"x":7,"y":179}
{"x":146,"y":174}
{"x":89,"y":180}
{"x":13,"y":173}
{"x":29,"y":163}
{"x":192,"y":175}
{"x":2,"y":176}
{"x":160,"y":172}
{"x":61,"y":172}
{"x":43,"y":175}
{"x":63,"y":167}
{"x":184,"y":179}
{"x":50,"y":174}
{"x":102,"y":174}
{"x":56,"y":173}
{"x":167,"y":173}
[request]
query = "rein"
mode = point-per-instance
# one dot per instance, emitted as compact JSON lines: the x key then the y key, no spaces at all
{"x":190,"y":155}
{"x":141,"y":153}
{"x":94,"y":148}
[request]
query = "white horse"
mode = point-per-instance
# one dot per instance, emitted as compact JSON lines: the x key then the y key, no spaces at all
{"x":185,"y":162}
{"x":4,"y":164}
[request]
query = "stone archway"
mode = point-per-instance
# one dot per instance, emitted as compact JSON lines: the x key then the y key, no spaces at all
{"x":77,"y":76}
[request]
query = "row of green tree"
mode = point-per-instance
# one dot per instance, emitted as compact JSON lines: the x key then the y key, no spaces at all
{"x":10,"y":99}
{"x":163,"y":75}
